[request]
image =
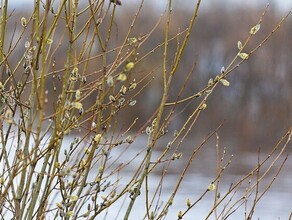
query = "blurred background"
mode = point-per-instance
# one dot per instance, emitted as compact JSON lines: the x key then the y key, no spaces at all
{"x":257,"y":106}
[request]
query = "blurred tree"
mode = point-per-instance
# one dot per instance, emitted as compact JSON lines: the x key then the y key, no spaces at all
{"x":118,"y":2}
{"x":258,"y":101}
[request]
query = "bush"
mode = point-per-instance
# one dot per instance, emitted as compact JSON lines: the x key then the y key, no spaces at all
{"x":67,"y":150}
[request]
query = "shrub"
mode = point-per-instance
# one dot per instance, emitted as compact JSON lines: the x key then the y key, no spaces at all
{"x":66,"y":146}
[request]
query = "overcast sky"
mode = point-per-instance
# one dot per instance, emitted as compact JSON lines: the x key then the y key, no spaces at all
{"x":279,"y":4}
{"x":285,"y":5}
